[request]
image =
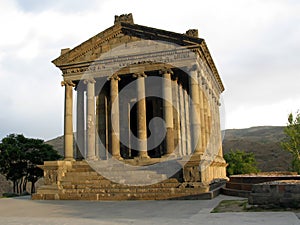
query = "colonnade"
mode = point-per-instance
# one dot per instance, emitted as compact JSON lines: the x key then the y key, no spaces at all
{"x":190,"y":112}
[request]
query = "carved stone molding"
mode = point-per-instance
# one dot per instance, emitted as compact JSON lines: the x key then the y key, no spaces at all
{"x":115,"y":76}
{"x":89,"y":80}
{"x":140,"y":74}
{"x":165,"y":70}
{"x":68,"y":83}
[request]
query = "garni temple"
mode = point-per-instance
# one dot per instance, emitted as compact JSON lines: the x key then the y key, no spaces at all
{"x":141,"y":118}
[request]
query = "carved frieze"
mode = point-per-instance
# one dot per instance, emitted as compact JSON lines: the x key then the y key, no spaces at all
{"x":178,"y":57}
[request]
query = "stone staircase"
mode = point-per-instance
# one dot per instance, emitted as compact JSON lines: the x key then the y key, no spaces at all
{"x":80,"y":182}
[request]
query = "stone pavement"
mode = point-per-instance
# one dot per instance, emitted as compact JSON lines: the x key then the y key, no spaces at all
{"x":23,"y":211}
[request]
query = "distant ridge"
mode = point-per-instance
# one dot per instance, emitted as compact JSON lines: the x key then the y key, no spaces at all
{"x":264,"y":142}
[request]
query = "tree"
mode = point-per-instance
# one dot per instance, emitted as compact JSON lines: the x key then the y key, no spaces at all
{"x":240,"y":162}
{"x":19,"y":157}
{"x":291,"y":142}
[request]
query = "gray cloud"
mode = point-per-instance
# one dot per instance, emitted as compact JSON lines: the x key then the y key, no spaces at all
{"x":255,"y":45}
{"x":67,"y":6}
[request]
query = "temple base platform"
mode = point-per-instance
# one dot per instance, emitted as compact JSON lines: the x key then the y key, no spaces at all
{"x":78,"y":180}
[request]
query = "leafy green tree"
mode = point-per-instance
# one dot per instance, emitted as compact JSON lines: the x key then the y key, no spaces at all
{"x":19,"y":157}
{"x":291,"y":142}
{"x":240,"y":162}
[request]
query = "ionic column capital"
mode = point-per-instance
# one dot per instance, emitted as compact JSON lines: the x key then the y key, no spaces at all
{"x":115,"y":76}
{"x":68,"y":83}
{"x":139,"y":75}
{"x":89,"y":81}
{"x":165,"y":71}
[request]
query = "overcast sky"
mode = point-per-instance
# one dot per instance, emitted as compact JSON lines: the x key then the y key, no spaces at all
{"x":255,"y":45}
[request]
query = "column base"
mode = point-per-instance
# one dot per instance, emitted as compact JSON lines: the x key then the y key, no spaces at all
{"x":144,"y":156}
{"x":117,"y":157}
{"x":69,"y":159}
{"x":92,"y":158}
{"x":170,"y":155}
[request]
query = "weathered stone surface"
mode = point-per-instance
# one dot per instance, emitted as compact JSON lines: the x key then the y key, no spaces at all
{"x":280,"y":193}
{"x":185,"y":76}
{"x":89,"y":187}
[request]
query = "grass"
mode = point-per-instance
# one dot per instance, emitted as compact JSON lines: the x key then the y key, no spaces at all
{"x":230,"y":206}
{"x":9,"y":195}
{"x":242,"y":206}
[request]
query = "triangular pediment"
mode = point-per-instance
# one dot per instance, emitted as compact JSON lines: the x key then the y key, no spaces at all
{"x":115,"y":36}
{"x":126,"y":33}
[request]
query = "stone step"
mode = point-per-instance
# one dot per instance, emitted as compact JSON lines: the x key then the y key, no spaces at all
{"x":138,"y":191}
{"x":100,"y":181}
{"x":239,"y":186}
{"x":108,"y":185}
{"x":135,"y":190}
{"x":139,"y":178}
{"x":123,"y":196}
{"x":115,"y":173}
{"x":235,"y":192}
{"x":129,"y":194}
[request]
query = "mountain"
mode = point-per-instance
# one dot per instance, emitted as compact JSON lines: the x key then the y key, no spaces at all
{"x":58,"y":144}
{"x":264,"y":142}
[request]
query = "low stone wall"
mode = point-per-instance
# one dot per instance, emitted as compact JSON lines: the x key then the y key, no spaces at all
{"x":241,"y":185}
{"x":282,"y":193}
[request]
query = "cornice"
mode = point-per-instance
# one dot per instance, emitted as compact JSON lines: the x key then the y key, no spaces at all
{"x":211,"y":64}
{"x":88,"y":45}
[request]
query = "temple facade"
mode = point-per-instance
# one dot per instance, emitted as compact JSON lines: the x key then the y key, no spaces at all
{"x":141,"y":118}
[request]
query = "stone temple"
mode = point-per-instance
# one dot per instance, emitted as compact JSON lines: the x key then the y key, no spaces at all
{"x":142,"y":118}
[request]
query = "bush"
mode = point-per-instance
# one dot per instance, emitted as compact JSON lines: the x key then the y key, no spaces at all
{"x":240,"y":162}
{"x":291,"y":142}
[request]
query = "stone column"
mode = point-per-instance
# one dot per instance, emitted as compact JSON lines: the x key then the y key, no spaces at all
{"x":141,"y":115}
{"x":195,"y":110}
{"x":91,"y":140}
{"x":201,"y":105}
{"x":80,"y":137}
{"x":114,"y":116}
{"x":176,"y":115}
{"x":68,"y":120}
{"x":101,"y":139}
{"x":218,"y":127}
{"x":206,"y":119}
{"x":204,"y":99}
{"x":168,"y":109}
{"x":182,"y":120}
{"x":187,"y":123}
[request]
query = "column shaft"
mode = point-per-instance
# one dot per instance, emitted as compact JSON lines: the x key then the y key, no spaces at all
{"x":182,"y":119}
{"x":114,"y":116}
{"x":195,"y":111}
{"x":141,"y":116}
{"x":187,"y":122}
{"x":91,"y":148}
{"x":102,"y":124}
{"x":80,"y":139}
{"x":168,"y":110}
{"x":176,"y":115}
{"x":68,"y":123}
